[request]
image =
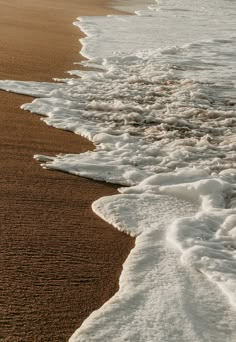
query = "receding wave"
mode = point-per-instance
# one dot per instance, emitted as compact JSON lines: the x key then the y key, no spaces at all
{"x":159,"y":104}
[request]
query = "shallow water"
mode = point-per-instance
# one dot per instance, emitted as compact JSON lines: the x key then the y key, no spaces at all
{"x":130,"y":6}
{"x":159,"y":104}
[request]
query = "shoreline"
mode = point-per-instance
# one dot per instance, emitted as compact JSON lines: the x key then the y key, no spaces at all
{"x":58,"y":258}
{"x":24,"y":27}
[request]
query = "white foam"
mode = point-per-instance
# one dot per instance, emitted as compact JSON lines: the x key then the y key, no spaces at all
{"x":159,"y":298}
{"x":159,"y":105}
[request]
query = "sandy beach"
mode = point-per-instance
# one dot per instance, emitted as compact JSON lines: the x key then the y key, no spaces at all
{"x":59,"y":261}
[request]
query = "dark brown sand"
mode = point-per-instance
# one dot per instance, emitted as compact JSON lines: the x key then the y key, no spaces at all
{"x":59,"y":262}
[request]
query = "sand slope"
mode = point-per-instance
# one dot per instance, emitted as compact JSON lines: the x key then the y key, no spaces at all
{"x":58,"y":260}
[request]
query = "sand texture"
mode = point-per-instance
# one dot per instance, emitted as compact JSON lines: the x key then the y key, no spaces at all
{"x":59,"y":262}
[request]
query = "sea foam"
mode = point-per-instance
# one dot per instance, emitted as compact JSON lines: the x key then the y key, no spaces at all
{"x":158,"y":101}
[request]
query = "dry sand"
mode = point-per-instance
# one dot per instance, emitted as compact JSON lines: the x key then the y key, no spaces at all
{"x":59,"y":262}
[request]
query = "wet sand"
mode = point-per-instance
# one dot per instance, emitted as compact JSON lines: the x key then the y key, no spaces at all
{"x":59,"y":261}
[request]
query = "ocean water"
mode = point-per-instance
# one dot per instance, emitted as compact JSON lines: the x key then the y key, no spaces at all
{"x":158,"y":101}
{"x":131,"y":6}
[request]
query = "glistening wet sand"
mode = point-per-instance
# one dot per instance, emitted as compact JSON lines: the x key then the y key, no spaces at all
{"x":59,"y":262}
